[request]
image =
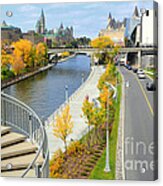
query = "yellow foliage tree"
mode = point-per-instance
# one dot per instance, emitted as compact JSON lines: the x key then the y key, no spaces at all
{"x":23,"y":50}
{"x":102,"y":42}
{"x":106,"y":101}
{"x":108,"y":76}
{"x":105,"y":97}
{"x":41,"y":54}
{"x":6,"y":59}
{"x":95,"y":116}
{"x":63,"y":125}
{"x":17,"y":65}
{"x":65,"y":54}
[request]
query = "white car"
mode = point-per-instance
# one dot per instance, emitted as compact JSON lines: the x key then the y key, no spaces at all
{"x":141,"y":74}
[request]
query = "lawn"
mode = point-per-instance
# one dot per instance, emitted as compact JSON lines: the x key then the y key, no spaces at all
{"x":98,"y":171}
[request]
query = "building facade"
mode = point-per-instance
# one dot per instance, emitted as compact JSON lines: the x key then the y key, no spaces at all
{"x":33,"y":37}
{"x":133,"y":29}
{"x":115,"y":30}
{"x":10,"y":33}
{"x":59,"y":37}
{"x":142,"y":31}
{"x":149,"y":24}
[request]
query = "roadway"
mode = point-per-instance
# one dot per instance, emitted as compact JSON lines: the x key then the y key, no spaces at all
{"x":139,"y":127}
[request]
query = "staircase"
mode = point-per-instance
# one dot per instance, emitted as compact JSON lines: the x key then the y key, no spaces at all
{"x":17,"y":152}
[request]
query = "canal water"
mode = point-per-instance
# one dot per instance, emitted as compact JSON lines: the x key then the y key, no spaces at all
{"x":45,"y":92}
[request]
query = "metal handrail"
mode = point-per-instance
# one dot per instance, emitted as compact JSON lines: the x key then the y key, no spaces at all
{"x":21,"y":117}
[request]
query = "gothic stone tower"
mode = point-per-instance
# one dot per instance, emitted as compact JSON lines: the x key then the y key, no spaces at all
{"x":40,"y":26}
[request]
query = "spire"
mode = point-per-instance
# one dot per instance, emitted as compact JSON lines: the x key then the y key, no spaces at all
{"x":136,"y":13}
{"x":110,"y":16}
{"x":42,"y":12}
{"x":61,"y":26}
{"x":4,"y":23}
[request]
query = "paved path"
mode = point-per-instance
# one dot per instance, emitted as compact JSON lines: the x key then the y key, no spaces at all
{"x":139,"y":129}
{"x":89,"y":88}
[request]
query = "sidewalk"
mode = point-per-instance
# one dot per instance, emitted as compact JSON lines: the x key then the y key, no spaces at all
{"x":89,"y":88}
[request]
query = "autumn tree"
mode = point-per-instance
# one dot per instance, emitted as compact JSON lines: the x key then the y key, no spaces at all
{"x":17,"y":65}
{"x":24,"y":49}
{"x":108,"y":76}
{"x":94,"y":116}
{"x":63,"y":126}
{"x":106,"y":100}
{"x":41,"y":54}
{"x":102,"y":42}
{"x":6,"y":58}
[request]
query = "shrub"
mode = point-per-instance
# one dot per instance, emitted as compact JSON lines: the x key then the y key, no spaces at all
{"x":65,"y":54}
{"x":74,"y":148}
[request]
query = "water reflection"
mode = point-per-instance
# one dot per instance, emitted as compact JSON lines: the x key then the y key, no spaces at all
{"x":45,"y":92}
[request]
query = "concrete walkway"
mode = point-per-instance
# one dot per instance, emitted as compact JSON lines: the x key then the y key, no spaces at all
{"x":89,"y":87}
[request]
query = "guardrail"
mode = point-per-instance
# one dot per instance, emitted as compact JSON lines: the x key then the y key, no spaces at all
{"x":23,"y":119}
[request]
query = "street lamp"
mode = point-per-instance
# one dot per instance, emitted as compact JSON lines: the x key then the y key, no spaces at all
{"x":107,"y":165}
{"x":66,"y":93}
{"x":116,"y":84}
{"x":82,"y":78}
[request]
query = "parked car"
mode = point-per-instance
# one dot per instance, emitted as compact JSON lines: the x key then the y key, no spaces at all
{"x":128,"y":67}
{"x":150,"y":86}
{"x":122,"y":60}
{"x":116,"y":63}
{"x":140,"y":71}
{"x":141,"y":74}
{"x":135,"y":70}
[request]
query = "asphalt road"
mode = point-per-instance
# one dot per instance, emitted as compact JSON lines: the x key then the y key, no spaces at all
{"x":139,"y":129}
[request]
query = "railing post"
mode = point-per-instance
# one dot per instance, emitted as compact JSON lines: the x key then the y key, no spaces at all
{"x":38,"y":171}
{"x":30,"y":127}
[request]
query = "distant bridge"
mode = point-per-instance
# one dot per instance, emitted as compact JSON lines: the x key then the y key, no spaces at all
{"x":90,"y":50}
{"x":139,"y":51}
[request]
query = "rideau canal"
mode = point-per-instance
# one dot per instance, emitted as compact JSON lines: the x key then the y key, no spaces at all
{"x":45,"y":92}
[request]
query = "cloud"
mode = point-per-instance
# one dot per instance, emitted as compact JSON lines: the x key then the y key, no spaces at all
{"x":27,"y":8}
{"x":86,"y":18}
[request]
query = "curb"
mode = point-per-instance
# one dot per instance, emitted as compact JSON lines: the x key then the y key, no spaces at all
{"x":120,"y":168}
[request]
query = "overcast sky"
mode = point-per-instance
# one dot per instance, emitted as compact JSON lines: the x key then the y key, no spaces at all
{"x":86,"y":18}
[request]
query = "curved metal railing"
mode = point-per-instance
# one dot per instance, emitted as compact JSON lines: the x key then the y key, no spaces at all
{"x":22,"y":118}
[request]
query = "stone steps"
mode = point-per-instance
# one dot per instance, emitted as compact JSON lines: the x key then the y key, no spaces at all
{"x":5,"y":130}
{"x":11,"y":138}
{"x":19,"y":162}
{"x":18,"y":173}
{"x":16,"y":154}
{"x":18,"y":149}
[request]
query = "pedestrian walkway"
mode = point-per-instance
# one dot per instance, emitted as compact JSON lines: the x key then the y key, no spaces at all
{"x":88,"y":88}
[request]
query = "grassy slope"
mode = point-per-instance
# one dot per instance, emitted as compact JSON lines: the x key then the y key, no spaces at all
{"x":98,"y":171}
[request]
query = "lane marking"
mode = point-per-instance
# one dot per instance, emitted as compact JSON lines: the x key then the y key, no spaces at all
{"x":149,"y":77}
{"x":143,"y":91}
{"x":145,"y":96}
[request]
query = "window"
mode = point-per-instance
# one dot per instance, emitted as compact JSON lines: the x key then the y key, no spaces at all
{"x":147,"y":13}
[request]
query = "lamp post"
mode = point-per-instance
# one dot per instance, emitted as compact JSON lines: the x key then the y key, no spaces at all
{"x":66,"y":93}
{"x":116,"y":84}
{"x":107,"y":165}
{"x":82,"y":78}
